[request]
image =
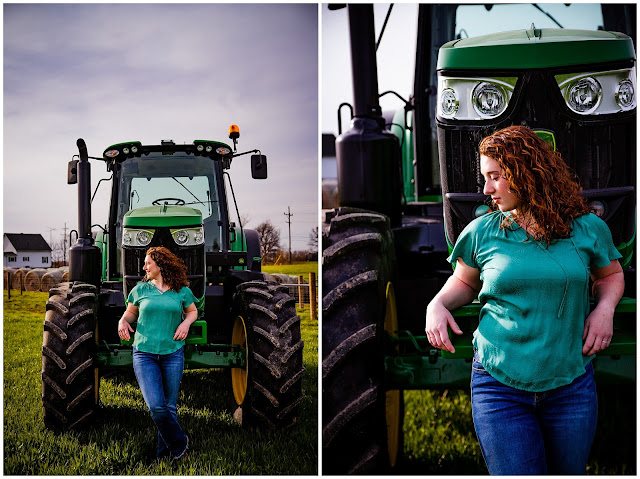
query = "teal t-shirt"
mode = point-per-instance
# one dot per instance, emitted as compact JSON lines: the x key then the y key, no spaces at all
{"x":534,"y":299}
{"x":159,"y":315}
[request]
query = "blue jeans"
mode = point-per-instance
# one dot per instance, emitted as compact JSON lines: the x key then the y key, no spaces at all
{"x":523,"y":432}
{"x":159,"y":378}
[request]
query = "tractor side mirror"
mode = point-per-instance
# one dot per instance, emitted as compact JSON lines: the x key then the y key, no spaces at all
{"x":72,"y":172}
{"x":259,"y":167}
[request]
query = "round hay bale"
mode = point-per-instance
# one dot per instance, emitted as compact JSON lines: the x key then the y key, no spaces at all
{"x":294,"y":280}
{"x":51,"y":279}
{"x":32,"y":279}
{"x":281,"y":278}
{"x":18,"y":278}
{"x":8,"y":275}
{"x":268,"y":278}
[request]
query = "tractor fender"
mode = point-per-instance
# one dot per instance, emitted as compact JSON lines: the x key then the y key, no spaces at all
{"x":253,"y":249}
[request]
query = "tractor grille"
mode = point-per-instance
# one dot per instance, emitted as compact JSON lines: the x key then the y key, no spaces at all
{"x":600,"y":150}
{"x":193,"y":257}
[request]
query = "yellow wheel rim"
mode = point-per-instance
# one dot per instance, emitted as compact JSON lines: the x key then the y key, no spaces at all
{"x":392,"y":399}
{"x":239,"y":375}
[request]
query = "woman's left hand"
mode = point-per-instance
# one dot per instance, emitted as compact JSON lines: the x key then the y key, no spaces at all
{"x":608,"y":287}
{"x":598,"y":331}
{"x":182,"y":331}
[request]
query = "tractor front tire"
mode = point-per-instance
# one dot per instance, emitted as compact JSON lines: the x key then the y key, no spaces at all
{"x":69,"y":379}
{"x":269,"y":390}
{"x":358,"y":265}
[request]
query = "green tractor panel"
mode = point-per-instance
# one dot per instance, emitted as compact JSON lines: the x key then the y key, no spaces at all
{"x":406,"y":194}
{"x":173,"y":196}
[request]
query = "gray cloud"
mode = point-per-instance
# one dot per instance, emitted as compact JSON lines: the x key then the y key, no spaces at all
{"x":112,"y":73}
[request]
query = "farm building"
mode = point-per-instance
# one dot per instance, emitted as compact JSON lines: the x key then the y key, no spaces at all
{"x":26,"y":250}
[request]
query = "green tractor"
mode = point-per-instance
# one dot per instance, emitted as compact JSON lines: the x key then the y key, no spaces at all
{"x":173,"y":196}
{"x":406,"y":192}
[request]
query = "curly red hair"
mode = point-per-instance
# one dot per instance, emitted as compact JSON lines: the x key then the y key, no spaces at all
{"x":172,"y":268}
{"x":547,"y":190}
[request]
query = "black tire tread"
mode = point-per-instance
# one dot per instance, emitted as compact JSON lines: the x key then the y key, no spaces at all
{"x":275,"y":362}
{"x":68,"y":349}
{"x":358,"y":260}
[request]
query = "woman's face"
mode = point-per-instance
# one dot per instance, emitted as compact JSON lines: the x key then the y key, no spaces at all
{"x":152,"y":269}
{"x":496,"y":185}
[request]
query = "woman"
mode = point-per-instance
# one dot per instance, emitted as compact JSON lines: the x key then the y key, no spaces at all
{"x":158,"y":303}
{"x":529,"y":262}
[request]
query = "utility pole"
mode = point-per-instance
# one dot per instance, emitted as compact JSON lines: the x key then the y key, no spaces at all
{"x":50,"y":238}
{"x":64,"y":245}
{"x":289,"y":215}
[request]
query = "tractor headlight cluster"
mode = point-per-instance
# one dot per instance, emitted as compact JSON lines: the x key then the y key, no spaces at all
{"x":136,"y":237}
{"x":125,"y":149}
{"x":599,"y":93}
{"x":188,"y":236}
{"x":206,"y":147}
{"x":474,"y":98}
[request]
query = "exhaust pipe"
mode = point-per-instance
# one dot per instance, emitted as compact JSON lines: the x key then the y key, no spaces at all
{"x":84,"y":257}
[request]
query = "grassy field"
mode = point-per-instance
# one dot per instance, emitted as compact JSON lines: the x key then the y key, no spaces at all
{"x":123,"y":440}
{"x":293,"y":269}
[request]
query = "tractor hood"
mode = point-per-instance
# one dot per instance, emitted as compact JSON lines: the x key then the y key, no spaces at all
{"x":535,"y":48}
{"x":162,"y":216}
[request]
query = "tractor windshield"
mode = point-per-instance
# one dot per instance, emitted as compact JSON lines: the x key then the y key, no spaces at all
{"x":475,"y":20}
{"x":182,"y":180}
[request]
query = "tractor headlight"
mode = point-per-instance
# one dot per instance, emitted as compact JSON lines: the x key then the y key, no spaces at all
{"x":449,"y":104}
{"x":625,"y":94}
{"x":489,"y":99}
{"x":584,"y":96}
{"x":599,"y":93}
{"x":136,"y":237}
{"x":597,"y":208}
{"x":474,"y":98}
{"x":188,"y":236}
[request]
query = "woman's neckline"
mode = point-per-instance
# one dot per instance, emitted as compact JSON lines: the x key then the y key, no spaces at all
{"x":161,"y":291}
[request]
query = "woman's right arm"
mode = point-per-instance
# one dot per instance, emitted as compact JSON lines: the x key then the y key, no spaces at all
{"x":460,"y":289}
{"x":124,"y":325}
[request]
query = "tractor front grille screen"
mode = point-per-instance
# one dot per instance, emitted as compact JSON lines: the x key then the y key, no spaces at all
{"x":193,"y":257}
{"x":600,"y":150}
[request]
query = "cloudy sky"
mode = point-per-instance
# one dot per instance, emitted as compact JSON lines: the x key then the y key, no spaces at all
{"x":148,"y":72}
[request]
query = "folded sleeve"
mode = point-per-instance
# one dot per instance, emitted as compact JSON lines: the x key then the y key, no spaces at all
{"x":188,"y":297}
{"x":465,"y":247}
{"x":134,"y":296}
{"x":604,"y":251}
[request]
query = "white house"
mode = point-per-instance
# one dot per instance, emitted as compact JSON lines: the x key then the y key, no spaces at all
{"x":26,"y":250}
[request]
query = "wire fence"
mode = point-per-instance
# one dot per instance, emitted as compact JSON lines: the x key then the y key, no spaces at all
{"x":304,"y":291}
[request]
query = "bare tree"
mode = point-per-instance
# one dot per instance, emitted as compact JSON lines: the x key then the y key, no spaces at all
{"x":245,"y":219}
{"x":313,"y":239}
{"x":59,"y":251}
{"x":269,"y":240}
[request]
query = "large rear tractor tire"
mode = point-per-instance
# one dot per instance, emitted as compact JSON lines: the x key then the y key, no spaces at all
{"x":69,"y":377}
{"x":362,"y":422}
{"x":269,"y":390}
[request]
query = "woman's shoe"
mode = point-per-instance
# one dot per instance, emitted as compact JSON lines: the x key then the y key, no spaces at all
{"x":184,"y":454}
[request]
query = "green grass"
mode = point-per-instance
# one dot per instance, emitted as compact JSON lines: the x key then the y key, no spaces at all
{"x":124,"y":437}
{"x":439,"y":437}
{"x":293,"y":269}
